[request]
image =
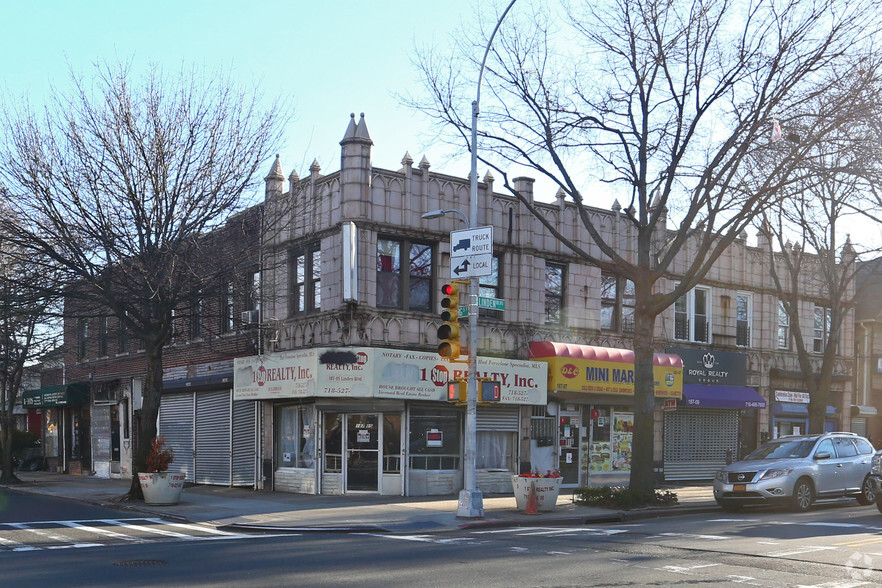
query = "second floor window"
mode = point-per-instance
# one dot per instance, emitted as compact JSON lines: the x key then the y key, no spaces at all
{"x":404,"y":274}
{"x":823,"y":318}
{"x":82,"y":338}
{"x":692,"y":316}
{"x":743,"y":312}
{"x":102,"y":336}
{"x":228,"y":307}
{"x":122,"y":334}
{"x":555,"y":276}
{"x":306,"y":280}
{"x":197,"y":309}
{"x":783,"y":326}
{"x":617,"y":299}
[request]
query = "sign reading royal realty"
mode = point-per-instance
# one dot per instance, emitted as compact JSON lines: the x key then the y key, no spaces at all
{"x":371,"y":372}
{"x":706,"y":366}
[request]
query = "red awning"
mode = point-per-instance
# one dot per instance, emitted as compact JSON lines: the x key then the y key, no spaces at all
{"x":540,"y":349}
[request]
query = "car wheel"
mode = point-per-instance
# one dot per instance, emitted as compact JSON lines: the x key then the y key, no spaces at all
{"x":867,"y":496}
{"x":803,"y":495}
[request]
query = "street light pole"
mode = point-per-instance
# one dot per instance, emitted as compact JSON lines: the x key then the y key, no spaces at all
{"x":471,"y":501}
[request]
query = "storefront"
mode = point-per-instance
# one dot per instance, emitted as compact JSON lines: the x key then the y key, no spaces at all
{"x":790,"y":414}
{"x":715,"y":418}
{"x":377,"y":420}
{"x":65,"y":419}
{"x":591,"y":393}
{"x":213,"y":437}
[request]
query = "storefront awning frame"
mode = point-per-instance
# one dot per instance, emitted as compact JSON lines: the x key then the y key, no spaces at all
{"x":53,"y":396}
{"x":708,"y":396}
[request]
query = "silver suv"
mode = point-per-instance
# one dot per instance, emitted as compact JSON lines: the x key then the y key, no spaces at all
{"x":796,"y":469}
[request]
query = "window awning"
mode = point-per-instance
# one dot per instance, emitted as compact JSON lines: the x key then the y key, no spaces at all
{"x":796,"y":409}
{"x":604,"y":370}
{"x":51,"y":396}
{"x":742,"y":397}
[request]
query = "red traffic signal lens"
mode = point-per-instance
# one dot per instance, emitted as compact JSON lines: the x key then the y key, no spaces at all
{"x":447,"y":289}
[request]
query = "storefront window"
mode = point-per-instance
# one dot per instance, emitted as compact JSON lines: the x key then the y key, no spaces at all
{"x":496,"y":450}
{"x":434,"y":441}
{"x":76,"y":451}
{"x":296,"y":435}
{"x":612,"y":432}
{"x":50,"y":437}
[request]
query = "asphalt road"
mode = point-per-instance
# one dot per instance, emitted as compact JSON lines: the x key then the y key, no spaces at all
{"x":832,"y":546}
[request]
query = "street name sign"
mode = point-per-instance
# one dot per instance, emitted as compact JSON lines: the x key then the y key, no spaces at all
{"x":484,"y":302}
{"x":471,"y":252}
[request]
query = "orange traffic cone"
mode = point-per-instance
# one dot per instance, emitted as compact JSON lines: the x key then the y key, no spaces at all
{"x":532,"y":501}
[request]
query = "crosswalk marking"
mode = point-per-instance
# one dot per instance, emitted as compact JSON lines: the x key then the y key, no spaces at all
{"x":101,"y":531}
{"x":83,"y":533}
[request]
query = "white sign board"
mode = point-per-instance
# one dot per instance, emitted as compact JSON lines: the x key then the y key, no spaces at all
{"x":380,"y":373}
{"x":471,"y":252}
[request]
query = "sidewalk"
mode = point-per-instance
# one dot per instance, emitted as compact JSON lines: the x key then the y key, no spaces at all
{"x":247,"y":509}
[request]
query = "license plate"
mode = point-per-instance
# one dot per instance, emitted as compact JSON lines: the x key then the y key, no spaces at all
{"x":739,"y":487}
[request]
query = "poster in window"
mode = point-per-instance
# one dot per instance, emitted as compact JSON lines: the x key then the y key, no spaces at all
{"x":623,"y":435}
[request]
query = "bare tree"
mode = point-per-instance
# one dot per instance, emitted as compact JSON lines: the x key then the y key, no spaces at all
{"x":28,"y":330}
{"x":117,"y":183}
{"x":815,"y":261}
{"x":668,"y":103}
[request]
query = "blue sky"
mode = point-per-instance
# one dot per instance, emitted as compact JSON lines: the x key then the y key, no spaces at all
{"x":328,"y":58}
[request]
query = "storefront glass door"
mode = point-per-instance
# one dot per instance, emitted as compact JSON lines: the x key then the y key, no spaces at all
{"x":363,"y":458}
{"x":568,"y":451}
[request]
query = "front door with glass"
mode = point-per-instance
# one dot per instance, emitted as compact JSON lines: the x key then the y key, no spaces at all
{"x":362,"y":453}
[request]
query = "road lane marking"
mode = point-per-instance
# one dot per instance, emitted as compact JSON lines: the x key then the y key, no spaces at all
{"x":803,"y":550}
{"x":858,"y":542}
{"x":687,"y":570}
{"x":693,"y":536}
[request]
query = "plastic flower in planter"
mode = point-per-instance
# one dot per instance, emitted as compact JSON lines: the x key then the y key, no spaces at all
{"x":159,"y":457}
{"x":536,"y":474}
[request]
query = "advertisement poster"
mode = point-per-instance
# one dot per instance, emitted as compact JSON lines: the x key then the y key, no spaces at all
{"x":601,"y":457}
{"x":623,"y":433}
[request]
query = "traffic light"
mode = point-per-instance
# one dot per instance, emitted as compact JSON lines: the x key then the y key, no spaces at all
{"x":489,"y":391}
{"x":448,"y":333}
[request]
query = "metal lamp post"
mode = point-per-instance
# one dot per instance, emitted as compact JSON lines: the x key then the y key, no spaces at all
{"x":471,"y":502}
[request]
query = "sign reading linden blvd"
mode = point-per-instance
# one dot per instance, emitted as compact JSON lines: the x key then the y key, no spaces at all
{"x":380,"y":373}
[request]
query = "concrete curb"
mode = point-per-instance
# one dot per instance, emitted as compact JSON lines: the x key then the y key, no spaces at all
{"x":240,"y":527}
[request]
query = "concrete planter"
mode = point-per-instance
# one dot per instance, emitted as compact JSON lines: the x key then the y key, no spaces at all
{"x":547,"y":490}
{"x":161,"y":488}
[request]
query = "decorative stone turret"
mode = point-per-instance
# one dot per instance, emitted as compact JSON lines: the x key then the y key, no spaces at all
{"x":524,"y":185}
{"x":355,"y":169}
{"x":764,"y":237}
{"x":275,"y":180}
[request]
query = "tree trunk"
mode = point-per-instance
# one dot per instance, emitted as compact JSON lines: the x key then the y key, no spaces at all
{"x":817,"y":409}
{"x":642,"y":475}
{"x":8,"y":476}
{"x":150,"y":398}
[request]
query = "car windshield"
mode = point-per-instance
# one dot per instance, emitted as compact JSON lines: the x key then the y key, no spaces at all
{"x":783,"y":449}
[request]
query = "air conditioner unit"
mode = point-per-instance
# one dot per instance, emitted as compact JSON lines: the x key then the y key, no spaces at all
{"x":251,"y":317}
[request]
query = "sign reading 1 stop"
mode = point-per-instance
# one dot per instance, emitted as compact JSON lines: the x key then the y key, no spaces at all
{"x":471,"y":252}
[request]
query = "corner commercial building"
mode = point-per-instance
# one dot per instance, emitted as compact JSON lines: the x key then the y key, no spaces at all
{"x":345,"y":391}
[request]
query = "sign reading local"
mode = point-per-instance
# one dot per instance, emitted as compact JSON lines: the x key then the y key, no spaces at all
{"x":471,"y":252}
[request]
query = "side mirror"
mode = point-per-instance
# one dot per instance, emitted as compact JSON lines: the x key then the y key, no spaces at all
{"x":822,"y":455}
